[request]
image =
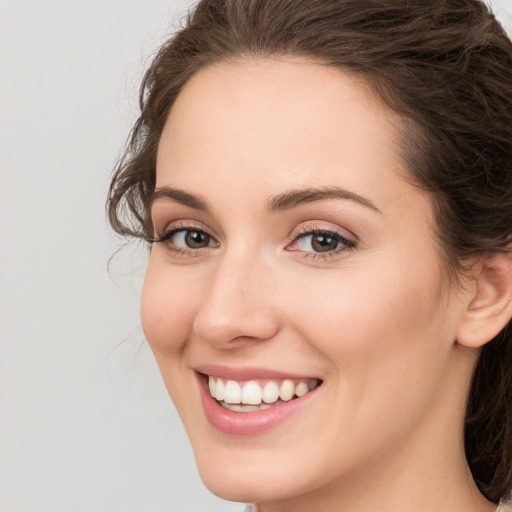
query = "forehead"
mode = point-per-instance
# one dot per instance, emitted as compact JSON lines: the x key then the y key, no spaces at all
{"x":276,"y":123}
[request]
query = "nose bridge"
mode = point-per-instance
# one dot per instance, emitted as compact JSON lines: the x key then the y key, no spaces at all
{"x":237,"y":303}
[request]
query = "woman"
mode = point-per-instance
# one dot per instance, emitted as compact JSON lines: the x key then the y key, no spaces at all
{"x":326,"y":189}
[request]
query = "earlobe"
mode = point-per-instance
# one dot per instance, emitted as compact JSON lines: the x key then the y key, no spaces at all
{"x":489,"y":306}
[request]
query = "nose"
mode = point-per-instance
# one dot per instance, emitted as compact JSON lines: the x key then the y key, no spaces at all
{"x":238,"y":304}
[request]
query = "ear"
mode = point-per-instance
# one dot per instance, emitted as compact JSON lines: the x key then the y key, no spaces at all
{"x":489,"y":306}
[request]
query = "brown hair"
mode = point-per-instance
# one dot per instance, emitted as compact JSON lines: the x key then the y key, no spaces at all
{"x":446,"y":67}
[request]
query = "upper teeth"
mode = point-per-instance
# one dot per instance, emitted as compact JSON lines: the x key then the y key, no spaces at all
{"x":254,"y":393}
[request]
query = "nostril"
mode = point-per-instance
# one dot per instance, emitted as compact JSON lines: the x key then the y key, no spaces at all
{"x":229,"y":329}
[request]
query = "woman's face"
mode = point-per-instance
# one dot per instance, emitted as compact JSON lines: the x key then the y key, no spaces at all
{"x":297,"y":259}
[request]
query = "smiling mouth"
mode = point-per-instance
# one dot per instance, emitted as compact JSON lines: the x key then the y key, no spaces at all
{"x":258,"y":395}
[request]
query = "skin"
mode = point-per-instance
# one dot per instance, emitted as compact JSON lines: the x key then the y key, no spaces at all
{"x":377,"y":322}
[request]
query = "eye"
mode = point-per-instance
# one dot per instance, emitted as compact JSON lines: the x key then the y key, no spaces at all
{"x":186,"y":239}
{"x":318,"y":242}
{"x":191,"y":239}
{"x":321,"y":242}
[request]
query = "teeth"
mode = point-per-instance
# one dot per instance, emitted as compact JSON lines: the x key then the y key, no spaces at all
{"x":270,"y":392}
{"x":244,"y":408}
{"x":219,"y":390}
{"x":287,"y":390}
{"x":250,"y":396}
{"x":211,"y":386}
{"x":233,"y":392}
{"x":301,"y":389}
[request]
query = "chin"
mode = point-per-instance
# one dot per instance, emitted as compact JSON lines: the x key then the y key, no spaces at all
{"x":249,"y":472}
{"x":249,"y":484}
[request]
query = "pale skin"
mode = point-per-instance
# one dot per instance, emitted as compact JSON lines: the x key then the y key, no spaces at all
{"x":375,"y":318}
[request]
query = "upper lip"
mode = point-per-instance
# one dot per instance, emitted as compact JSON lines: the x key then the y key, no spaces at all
{"x":247,"y":373}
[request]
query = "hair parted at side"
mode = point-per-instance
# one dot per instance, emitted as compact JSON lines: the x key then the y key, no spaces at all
{"x":445,"y":66}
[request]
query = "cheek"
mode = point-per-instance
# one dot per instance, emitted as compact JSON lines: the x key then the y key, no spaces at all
{"x":373,"y":323}
{"x":373,"y":310}
{"x":384,"y":335}
{"x":167,"y":308}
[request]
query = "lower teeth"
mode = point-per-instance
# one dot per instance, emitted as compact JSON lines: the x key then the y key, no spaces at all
{"x":245,"y":407}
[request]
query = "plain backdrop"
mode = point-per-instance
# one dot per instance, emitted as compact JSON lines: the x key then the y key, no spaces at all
{"x":85,"y":422}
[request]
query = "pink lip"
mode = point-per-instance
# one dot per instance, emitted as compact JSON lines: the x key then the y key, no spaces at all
{"x":247,"y":423}
{"x":244,"y":374}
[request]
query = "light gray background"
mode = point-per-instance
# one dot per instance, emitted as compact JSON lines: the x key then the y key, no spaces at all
{"x":85,"y":422}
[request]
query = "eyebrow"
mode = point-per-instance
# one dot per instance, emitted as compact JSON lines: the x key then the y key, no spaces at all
{"x":278,"y":203}
{"x":178,"y":195}
{"x":294,"y":198}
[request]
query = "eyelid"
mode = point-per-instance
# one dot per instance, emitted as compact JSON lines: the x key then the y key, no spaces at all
{"x":181,"y":225}
{"x":349,"y":241}
{"x":184,"y":225}
{"x":316,"y":227}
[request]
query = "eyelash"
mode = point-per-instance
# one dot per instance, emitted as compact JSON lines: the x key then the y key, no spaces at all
{"x":181,"y":251}
{"x":347,"y":244}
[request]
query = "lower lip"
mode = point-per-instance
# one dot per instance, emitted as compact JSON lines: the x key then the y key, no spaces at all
{"x":248,"y":423}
